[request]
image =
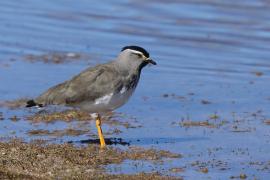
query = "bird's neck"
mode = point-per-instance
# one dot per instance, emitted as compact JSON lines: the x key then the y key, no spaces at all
{"x":130,"y":68}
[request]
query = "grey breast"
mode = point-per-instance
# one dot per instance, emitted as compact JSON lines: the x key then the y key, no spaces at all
{"x":97,"y":89}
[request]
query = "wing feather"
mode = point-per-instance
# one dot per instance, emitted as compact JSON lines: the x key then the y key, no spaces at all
{"x":87,"y":86}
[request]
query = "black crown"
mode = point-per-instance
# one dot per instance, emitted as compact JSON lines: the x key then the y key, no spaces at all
{"x":137,"y":48}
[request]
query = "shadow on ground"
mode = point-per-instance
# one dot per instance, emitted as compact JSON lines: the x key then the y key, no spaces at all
{"x":139,"y":141}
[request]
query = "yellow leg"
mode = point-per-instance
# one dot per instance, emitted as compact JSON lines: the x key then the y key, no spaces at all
{"x":100,"y":134}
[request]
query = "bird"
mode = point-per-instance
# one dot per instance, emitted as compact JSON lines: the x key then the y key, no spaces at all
{"x":99,"y":89}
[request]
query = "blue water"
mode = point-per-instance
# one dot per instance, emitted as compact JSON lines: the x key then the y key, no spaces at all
{"x":205,"y":50}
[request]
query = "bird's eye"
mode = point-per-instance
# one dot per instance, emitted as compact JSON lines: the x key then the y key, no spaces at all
{"x":139,"y":55}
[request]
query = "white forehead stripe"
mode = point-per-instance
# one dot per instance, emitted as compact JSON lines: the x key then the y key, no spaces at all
{"x":134,"y":51}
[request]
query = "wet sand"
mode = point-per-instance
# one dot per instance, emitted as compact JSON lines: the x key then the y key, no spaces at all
{"x":37,"y":160}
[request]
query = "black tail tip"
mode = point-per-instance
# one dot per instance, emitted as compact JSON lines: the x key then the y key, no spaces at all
{"x":32,"y":103}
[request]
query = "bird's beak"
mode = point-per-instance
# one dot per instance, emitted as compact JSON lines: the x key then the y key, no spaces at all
{"x":151,"y":61}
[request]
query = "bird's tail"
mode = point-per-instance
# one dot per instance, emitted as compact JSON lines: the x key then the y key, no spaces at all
{"x":32,"y":103}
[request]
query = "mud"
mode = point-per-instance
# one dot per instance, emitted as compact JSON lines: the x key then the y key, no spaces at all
{"x":77,"y":115}
{"x":38,"y":160}
{"x":57,"y":57}
{"x":57,"y":133}
{"x":197,"y":123}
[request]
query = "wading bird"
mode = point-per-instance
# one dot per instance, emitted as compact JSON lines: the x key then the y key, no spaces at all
{"x":100,"y":89}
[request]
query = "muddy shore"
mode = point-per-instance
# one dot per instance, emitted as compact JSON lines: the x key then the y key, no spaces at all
{"x":37,"y":160}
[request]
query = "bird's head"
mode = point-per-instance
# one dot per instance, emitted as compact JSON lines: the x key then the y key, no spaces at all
{"x":135,"y":56}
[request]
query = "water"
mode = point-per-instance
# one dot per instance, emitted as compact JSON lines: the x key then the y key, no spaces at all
{"x":216,"y":51}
